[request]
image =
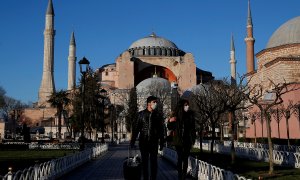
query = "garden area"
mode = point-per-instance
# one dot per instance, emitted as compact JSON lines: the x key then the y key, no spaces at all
{"x":247,"y":168}
{"x":21,"y":159}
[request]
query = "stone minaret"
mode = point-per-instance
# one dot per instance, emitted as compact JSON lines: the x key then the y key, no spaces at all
{"x":232,"y":61}
{"x":47,"y":86}
{"x":249,"y":42}
{"x":72,"y":63}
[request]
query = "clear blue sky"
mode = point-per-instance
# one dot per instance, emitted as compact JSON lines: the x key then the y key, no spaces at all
{"x":105,"y":28}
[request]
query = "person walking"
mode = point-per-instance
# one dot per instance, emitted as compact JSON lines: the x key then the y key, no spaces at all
{"x":150,"y":128}
{"x":184,"y":135}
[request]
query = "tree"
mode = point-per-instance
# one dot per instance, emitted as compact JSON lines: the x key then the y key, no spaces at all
{"x":265,"y":99}
{"x":2,"y":94}
{"x":254,"y":116}
{"x":296,"y":110}
{"x":59,"y":100}
{"x":233,"y":97}
{"x":277,"y":115}
{"x":287,"y":112}
{"x":209,"y":103}
{"x":132,"y":112}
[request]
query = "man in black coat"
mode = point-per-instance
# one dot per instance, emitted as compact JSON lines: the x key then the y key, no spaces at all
{"x":150,"y":127}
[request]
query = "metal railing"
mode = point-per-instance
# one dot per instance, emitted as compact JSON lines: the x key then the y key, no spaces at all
{"x":56,"y":168}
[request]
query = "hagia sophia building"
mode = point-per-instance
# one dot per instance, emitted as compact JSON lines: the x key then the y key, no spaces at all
{"x":157,"y":57}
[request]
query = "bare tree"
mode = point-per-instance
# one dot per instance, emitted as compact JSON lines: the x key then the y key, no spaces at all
{"x":277,"y":115}
{"x":233,"y":97}
{"x":265,"y":99}
{"x":254,"y":116}
{"x":210,"y":105}
{"x":286,"y":112}
{"x":296,"y":110}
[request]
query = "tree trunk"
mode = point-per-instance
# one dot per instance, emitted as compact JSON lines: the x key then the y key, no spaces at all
{"x":278,"y":129}
{"x":213,"y":139}
{"x":288,"y":131}
{"x":201,"y":139}
{"x":271,"y":164}
{"x":255,"y":141}
{"x":59,"y":111}
{"x":262,"y":125}
{"x":222,"y":132}
{"x":232,"y":149}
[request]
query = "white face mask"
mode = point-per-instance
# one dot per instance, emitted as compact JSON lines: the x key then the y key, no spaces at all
{"x":186,"y":108}
{"x":153,"y":105}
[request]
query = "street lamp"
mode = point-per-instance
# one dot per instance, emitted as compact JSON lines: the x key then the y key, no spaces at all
{"x":84,"y":66}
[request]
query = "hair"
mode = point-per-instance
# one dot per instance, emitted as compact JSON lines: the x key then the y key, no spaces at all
{"x":151,"y":98}
{"x":179,"y":108}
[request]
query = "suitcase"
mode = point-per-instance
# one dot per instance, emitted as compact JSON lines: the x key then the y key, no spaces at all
{"x":132,"y":167}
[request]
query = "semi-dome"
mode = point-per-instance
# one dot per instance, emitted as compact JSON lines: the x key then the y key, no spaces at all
{"x":154,"y":45}
{"x":153,"y":41}
{"x":288,"y":33}
{"x":153,"y":84}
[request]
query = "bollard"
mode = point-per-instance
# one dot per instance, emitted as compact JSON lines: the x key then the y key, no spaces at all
{"x":9,"y":174}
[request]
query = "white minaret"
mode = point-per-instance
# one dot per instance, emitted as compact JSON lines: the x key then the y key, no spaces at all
{"x":72,"y":63}
{"x":232,"y":61}
{"x":47,"y":86}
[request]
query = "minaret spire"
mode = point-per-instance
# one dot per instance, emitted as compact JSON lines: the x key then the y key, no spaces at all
{"x":47,"y":85}
{"x":232,"y":61}
{"x":72,"y":63}
{"x":50,"y":10}
{"x":249,"y":40}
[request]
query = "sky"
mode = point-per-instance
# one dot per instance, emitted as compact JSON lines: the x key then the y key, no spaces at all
{"x":106,"y":28}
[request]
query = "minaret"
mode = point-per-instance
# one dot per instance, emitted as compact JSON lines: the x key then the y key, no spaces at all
{"x":232,"y":61}
{"x":47,"y":86}
{"x":72,"y":63}
{"x":249,"y":40}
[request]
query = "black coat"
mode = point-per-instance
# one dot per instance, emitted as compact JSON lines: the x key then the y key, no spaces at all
{"x":150,"y":128}
{"x":185,"y":133}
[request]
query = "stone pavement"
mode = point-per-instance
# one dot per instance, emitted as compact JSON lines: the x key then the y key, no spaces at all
{"x":109,"y":166}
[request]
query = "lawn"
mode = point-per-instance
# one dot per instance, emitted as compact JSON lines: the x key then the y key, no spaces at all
{"x":247,"y":168}
{"x":20,"y":160}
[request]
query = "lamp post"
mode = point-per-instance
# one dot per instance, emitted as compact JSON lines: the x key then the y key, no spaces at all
{"x":84,"y":66}
{"x":174,"y":95}
{"x":103,"y":95}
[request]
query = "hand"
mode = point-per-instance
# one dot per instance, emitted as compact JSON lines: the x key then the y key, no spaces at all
{"x":132,"y":146}
{"x":161,"y":147}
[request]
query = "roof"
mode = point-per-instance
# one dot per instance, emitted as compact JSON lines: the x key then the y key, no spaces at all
{"x":287,"y":33}
{"x":153,"y":41}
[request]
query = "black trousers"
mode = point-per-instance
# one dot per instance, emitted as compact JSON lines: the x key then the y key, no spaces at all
{"x":149,"y":151}
{"x":183,"y":153}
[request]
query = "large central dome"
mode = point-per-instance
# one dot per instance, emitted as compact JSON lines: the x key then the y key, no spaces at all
{"x":288,"y":33}
{"x":154,"y":46}
{"x":153,"y":41}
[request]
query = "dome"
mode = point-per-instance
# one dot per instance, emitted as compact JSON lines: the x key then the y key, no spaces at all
{"x":152,"y":84}
{"x":198,"y":89}
{"x":153,"y":41}
{"x":288,"y":33}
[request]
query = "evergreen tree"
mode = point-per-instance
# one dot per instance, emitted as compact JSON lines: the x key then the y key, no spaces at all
{"x":132,"y":112}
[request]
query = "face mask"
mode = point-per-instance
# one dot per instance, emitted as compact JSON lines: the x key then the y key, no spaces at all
{"x":186,"y":108}
{"x":153,"y":105}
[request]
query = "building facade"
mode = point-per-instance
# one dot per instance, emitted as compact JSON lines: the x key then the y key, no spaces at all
{"x":278,"y":63}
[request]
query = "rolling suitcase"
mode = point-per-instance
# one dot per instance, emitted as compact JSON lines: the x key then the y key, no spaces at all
{"x":132,"y":167}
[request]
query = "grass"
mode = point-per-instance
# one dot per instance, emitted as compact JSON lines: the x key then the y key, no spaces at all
{"x":247,"y":168}
{"x":20,"y":160}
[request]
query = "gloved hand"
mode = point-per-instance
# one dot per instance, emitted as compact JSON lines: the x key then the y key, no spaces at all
{"x":161,"y":146}
{"x":132,"y":146}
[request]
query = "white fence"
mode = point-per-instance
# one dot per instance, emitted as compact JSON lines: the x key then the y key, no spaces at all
{"x":261,"y":153}
{"x":58,"y":167}
{"x":201,"y":169}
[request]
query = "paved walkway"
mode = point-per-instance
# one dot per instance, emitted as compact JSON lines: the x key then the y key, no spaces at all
{"x":110,"y":166}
